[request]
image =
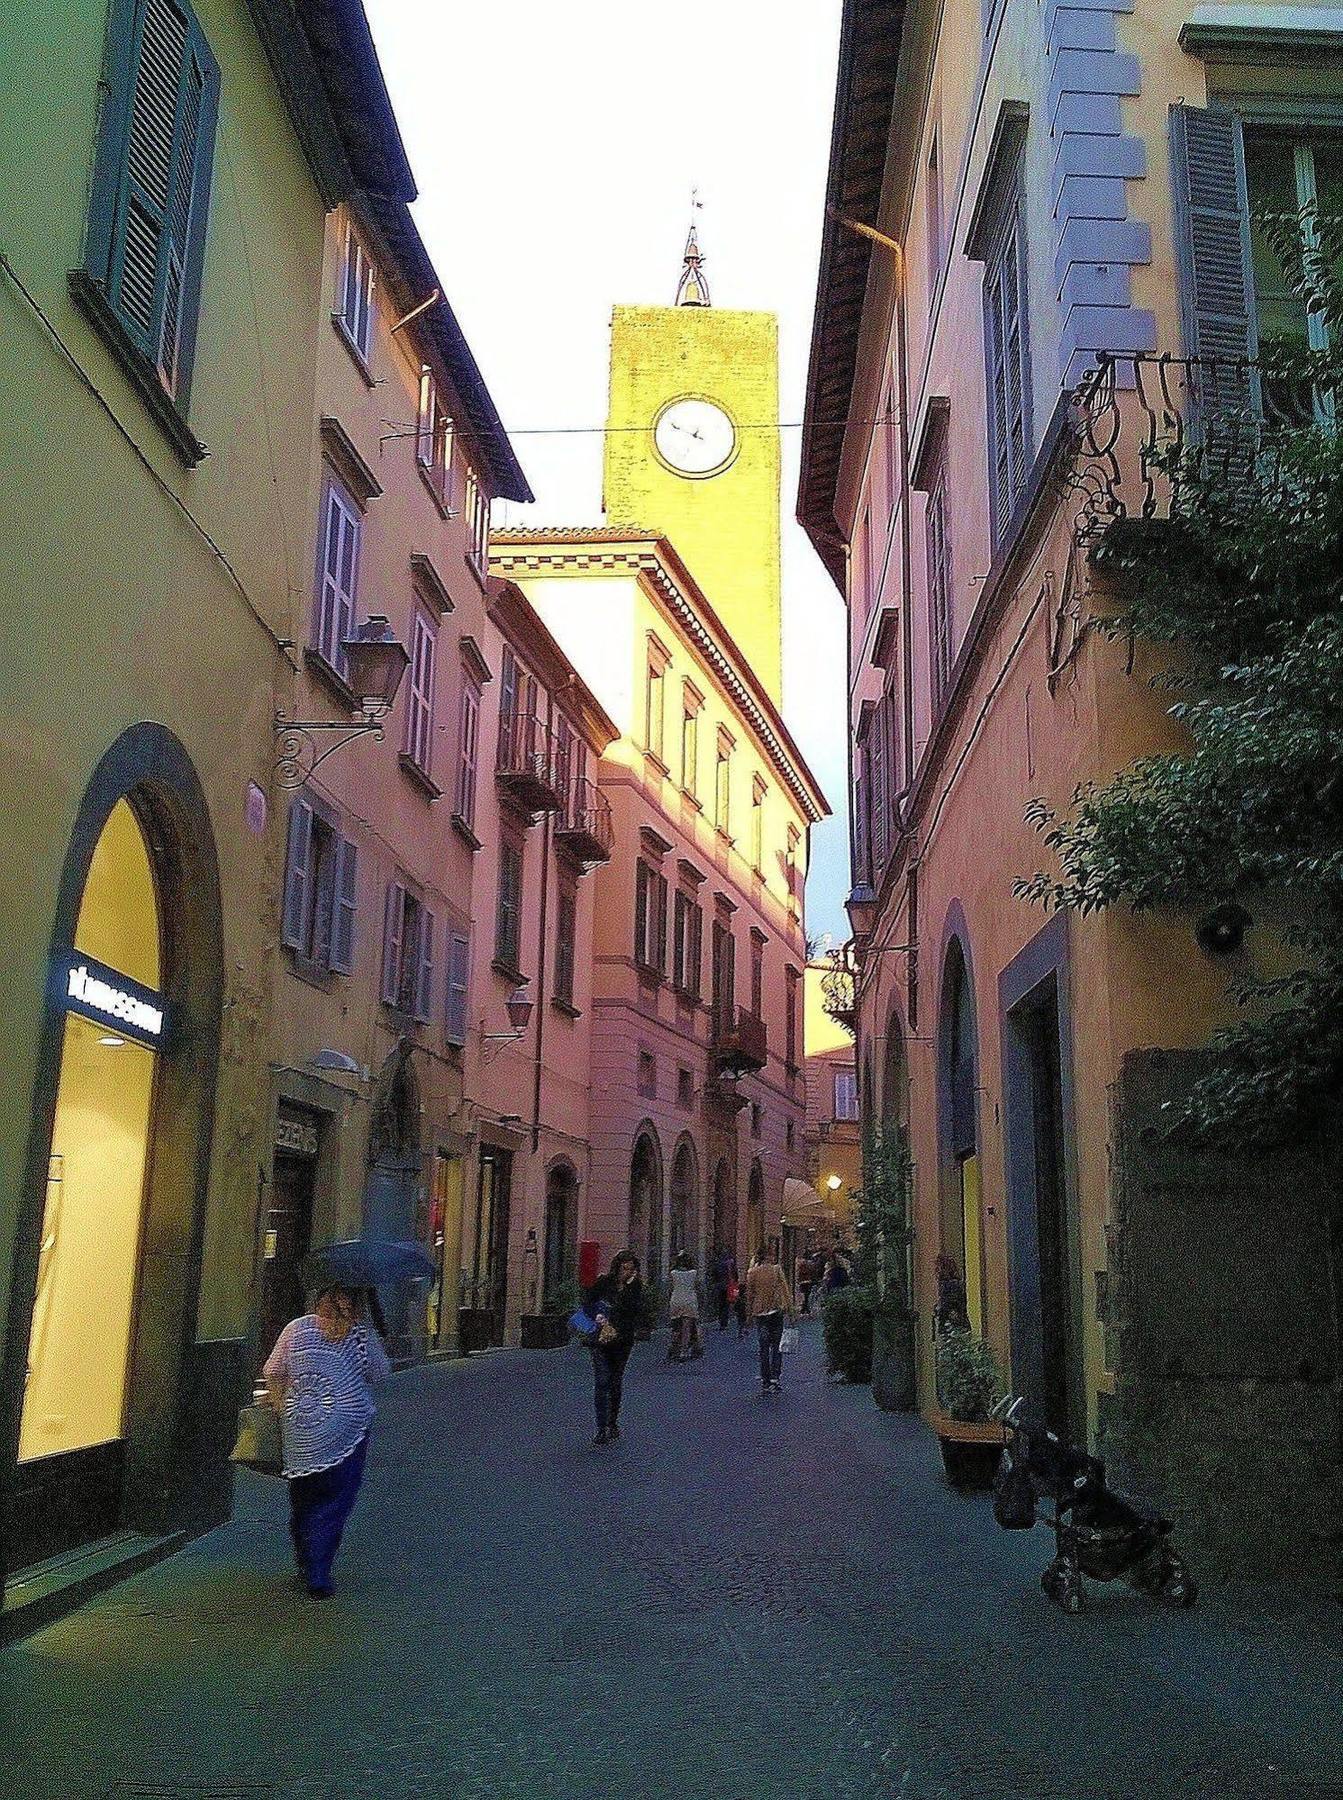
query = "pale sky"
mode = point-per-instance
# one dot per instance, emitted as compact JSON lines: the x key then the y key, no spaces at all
{"x":556,"y":148}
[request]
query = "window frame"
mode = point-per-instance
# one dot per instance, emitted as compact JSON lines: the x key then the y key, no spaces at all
{"x":421,"y":677}
{"x":327,"y":636}
{"x":435,"y":435}
{"x":457,"y":986}
{"x":468,"y":748}
{"x":937,"y":544}
{"x":1006,"y":255}
{"x":476,"y":509}
{"x":844,"y":1115}
{"x":358,"y":272}
{"x":508,"y":902}
{"x":566,"y":940}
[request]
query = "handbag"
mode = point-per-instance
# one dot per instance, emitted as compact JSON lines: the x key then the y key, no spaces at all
{"x":260,"y":1445}
{"x":1013,"y":1495}
{"x":789,"y":1339}
{"x":584,"y":1326}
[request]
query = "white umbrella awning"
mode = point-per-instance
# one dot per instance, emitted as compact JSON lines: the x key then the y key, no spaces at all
{"x":802,"y":1205}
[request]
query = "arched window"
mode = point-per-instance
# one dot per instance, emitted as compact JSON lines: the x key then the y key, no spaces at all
{"x":961,"y":1264}
{"x":683,"y":1229}
{"x":560,"y":1263}
{"x":646,"y":1203}
{"x":755,"y":1211}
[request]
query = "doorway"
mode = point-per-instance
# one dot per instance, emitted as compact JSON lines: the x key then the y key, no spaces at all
{"x":489,"y":1250}
{"x":560,"y":1263}
{"x":288,"y":1228}
{"x":755,"y":1213}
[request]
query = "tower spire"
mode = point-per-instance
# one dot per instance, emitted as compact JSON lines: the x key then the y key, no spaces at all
{"x":692,"y":289}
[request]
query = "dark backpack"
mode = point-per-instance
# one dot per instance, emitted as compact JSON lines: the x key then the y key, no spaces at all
{"x":1013,"y":1495}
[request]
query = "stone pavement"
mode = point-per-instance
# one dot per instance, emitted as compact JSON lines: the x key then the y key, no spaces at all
{"x":746,"y":1597}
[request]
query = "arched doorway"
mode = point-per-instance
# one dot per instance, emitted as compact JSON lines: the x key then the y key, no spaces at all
{"x":560,"y":1260}
{"x":392,"y":1186}
{"x":646,"y":1203}
{"x":107,"y":1255}
{"x":962,"y":1247}
{"x":724,"y":1208}
{"x":755,"y":1211}
{"x":683,"y":1230}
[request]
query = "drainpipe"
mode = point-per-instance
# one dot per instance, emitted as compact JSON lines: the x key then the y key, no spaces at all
{"x":540,"y":1013}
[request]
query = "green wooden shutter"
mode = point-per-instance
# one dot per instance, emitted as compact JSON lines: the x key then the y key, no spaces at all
{"x":160,"y":139}
{"x":1212,"y":217}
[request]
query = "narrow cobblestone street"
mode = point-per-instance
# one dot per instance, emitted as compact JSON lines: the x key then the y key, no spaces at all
{"x":743,"y":1598}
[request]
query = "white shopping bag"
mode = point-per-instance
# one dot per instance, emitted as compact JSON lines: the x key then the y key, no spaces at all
{"x":789,"y":1339}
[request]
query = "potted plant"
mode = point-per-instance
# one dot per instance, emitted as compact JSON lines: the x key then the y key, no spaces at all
{"x":549,"y":1329}
{"x":846,"y":1326}
{"x":967,"y":1387}
{"x":881,"y":1222}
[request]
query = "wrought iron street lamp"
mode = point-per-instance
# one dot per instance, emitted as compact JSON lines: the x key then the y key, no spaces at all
{"x":375,"y":662}
{"x":519,"y":1008}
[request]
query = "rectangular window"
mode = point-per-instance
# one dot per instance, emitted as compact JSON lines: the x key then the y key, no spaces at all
{"x":420,"y":694}
{"x":846,"y":1096}
{"x":650,"y":918}
{"x":789,"y":1133}
{"x":722,"y":786}
{"x":407,"y":953}
{"x":691,"y":706}
{"x":791,"y":986}
{"x":433,"y":440}
{"x":654,"y":709}
{"x":320,"y":891}
{"x":458,"y":987}
{"x":151,"y":186}
{"x":477,"y":525}
{"x":1294,"y":181}
{"x":939,"y":584}
{"x":687,"y":944}
{"x":757,"y":1119}
{"x":648,"y":1075}
{"x":757,"y":974}
{"x":758,"y":825}
{"x":791,"y":868}
{"x":724,"y":992}
{"x":468,"y":750}
{"x":356,"y":298}
{"x":685,"y":1089}
{"x":508,"y":917}
{"x":566,"y":932}
{"x":1008,"y":366}
{"x":337,"y":574}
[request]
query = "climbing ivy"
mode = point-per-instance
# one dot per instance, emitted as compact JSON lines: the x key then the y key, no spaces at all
{"x":1240,"y":589}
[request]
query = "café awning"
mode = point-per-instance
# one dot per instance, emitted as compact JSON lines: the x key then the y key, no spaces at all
{"x":802,"y":1205}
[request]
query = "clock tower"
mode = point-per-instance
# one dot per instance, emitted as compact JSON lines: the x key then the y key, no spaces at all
{"x":692,"y":451}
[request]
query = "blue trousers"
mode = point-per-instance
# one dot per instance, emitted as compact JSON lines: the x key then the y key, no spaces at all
{"x":319,"y":1506}
{"x":769,"y":1328}
{"x":608,"y":1371}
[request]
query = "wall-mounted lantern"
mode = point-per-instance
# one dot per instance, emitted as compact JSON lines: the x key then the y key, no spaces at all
{"x":375,"y":661}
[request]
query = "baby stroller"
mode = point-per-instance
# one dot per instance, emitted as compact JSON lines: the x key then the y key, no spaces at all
{"x":1097,"y":1534}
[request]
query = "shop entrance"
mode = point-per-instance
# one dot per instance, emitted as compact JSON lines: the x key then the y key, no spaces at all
{"x":72,"y":1428}
{"x":288,"y":1230}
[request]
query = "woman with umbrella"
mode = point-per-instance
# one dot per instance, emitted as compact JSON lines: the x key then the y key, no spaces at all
{"x":319,"y":1376}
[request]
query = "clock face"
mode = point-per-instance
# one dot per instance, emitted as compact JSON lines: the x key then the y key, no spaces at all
{"x":695,"y":437}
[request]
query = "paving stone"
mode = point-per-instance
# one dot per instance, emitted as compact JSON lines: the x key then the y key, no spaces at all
{"x":744,"y":1597}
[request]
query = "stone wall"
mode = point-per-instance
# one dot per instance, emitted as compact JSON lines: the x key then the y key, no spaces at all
{"x":1223,"y":1312}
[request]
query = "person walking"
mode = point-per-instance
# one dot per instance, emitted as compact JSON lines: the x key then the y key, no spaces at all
{"x":724,"y":1280}
{"x":319,"y":1377}
{"x":806,"y":1280}
{"x":616,"y":1302}
{"x":683,"y":1310}
{"x":836,"y":1273}
{"x":769,"y":1301}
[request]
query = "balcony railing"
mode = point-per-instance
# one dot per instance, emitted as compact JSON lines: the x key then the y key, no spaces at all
{"x":1144,"y":426}
{"x":526,"y":765}
{"x":740,"y":1044}
{"x":584,"y":824}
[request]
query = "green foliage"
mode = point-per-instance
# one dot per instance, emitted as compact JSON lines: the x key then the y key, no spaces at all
{"x":968,"y":1383}
{"x":1241,"y":590}
{"x":563,"y":1299}
{"x":881,"y":1219}
{"x":846,"y":1324}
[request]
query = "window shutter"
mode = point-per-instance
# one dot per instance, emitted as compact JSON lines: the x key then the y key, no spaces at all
{"x":459,"y":952}
{"x":342,"y":930}
{"x":641,"y":912}
{"x":160,"y":214}
{"x":424,"y":433}
{"x":393,"y":919}
{"x":660,"y":901}
{"x":296,"y":873}
{"x":424,"y":967}
{"x":1212,"y":215}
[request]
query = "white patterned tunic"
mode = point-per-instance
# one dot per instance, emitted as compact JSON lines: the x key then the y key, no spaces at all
{"x":328,"y":1406}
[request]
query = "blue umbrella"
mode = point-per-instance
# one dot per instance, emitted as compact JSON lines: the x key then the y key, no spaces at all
{"x":367,"y":1262}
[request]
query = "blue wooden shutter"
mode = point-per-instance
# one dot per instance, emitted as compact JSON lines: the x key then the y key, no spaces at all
{"x":424,"y":967}
{"x":342,"y":928}
{"x":158,"y":225}
{"x":459,"y":951}
{"x":296,"y":874}
{"x":393,"y":919}
{"x":1212,"y":219}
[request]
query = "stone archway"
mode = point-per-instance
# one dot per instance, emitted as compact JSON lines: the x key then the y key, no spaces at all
{"x":684,"y":1225}
{"x":724,"y":1208}
{"x":559,"y":1260}
{"x":645,"y":1228}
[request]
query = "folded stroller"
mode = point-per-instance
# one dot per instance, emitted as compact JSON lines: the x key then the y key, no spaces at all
{"x":1097,"y":1534}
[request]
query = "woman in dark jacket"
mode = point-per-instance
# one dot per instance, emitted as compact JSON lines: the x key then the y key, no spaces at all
{"x":617,"y":1301}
